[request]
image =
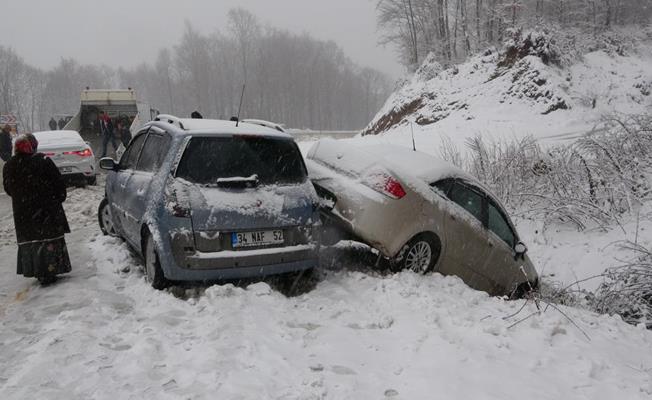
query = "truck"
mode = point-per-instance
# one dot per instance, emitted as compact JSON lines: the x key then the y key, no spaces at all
{"x":122,"y":107}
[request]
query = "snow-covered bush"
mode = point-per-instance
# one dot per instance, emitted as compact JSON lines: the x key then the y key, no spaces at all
{"x":592,"y":182}
{"x":627,"y":289}
{"x":539,"y":43}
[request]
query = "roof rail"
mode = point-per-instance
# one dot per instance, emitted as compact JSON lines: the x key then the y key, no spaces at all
{"x":261,"y":122}
{"x":170,"y":119}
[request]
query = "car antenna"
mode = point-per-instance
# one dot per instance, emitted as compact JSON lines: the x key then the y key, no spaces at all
{"x":414,"y":146}
{"x":237,"y":121}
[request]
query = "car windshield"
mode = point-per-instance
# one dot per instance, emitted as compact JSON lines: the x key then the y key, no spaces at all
{"x":208,"y":160}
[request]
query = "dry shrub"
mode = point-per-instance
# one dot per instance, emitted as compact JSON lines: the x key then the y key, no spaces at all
{"x":627,"y":288}
{"x":591,"y":182}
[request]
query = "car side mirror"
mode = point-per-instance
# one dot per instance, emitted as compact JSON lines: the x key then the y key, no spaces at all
{"x":108,"y":164}
{"x":520,"y":249}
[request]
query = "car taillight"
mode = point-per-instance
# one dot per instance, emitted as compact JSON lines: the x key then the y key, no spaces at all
{"x":176,"y":207}
{"x":180,"y":211}
{"x":80,"y":153}
{"x":49,"y":154}
{"x":382,"y":182}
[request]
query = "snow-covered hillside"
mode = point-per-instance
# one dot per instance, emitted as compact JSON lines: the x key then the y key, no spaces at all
{"x":538,"y":85}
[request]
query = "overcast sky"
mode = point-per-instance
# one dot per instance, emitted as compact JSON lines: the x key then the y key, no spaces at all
{"x":128,"y":32}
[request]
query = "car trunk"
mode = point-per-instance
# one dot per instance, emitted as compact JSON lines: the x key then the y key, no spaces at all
{"x":62,"y":149}
{"x":245,"y":184}
{"x":219,"y":209}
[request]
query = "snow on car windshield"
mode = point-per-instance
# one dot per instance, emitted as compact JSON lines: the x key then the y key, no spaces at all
{"x":271,"y":160}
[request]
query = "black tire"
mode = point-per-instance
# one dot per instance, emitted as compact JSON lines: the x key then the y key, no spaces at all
{"x":524,"y":290}
{"x":153,"y":271}
{"x":293,"y":284}
{"x":420,"y":254}
{"x":92,"y":181}
{"x":105,"y":219}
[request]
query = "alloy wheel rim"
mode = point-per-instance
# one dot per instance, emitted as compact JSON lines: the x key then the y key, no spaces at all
{"x":149,"y":261}
{"x":106,"y":220}
{"x":419,"y":257}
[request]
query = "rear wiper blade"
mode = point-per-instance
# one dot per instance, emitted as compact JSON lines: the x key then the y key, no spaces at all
{"x":238,"y":181}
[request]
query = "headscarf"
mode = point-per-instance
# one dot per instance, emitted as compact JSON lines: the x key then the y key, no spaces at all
{"x":25,"y":144}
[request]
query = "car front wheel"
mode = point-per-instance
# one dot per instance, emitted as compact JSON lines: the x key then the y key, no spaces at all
{"x":420,"y":254}
{"x":153,"y":272}
{"x":105,"y":218}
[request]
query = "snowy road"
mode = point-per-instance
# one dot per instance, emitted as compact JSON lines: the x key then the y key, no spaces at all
{"x":103,"y":333}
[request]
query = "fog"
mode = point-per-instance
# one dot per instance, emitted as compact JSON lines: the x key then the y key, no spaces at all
{"x":126,"y":32}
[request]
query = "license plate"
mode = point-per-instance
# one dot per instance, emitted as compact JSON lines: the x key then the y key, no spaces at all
{"x":65,"y":170}
{"x":254,"y":239}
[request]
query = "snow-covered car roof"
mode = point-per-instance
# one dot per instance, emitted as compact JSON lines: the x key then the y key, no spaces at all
{"x":216,"y":126}
{"x":421,"y":165}
{"x":348,"y":156}
{"x":47,"y":138}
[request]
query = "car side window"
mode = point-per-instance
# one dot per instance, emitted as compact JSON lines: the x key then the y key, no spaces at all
{"x":130,"y":157}
{"x":497,"y":223}
{"x":153,"y":153}
{"x":443,"y":186}
{"x":467,"y":198}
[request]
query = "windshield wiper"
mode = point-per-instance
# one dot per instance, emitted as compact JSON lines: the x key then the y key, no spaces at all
{"x":238,"y":181}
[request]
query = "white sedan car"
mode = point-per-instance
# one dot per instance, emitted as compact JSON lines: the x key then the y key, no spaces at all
{"x":70,"y":153}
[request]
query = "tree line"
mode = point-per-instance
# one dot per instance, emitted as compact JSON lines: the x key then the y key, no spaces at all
{"x":455,"y":29}
{"x":290,"y":78}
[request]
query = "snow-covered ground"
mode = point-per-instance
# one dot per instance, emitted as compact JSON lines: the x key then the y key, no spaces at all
{"x":103,"y":333}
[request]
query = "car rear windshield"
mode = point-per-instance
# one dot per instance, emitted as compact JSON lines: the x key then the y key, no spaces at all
{"x":271,"y":160}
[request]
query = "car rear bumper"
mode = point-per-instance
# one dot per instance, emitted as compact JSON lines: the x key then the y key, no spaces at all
{"x":198,"y":266}
{"x":382,"y":223}
{"x":77,"y":176}
{"x":85,"y":168}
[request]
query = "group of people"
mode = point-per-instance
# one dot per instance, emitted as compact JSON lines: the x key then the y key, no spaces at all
{"x":37,"y":193}
{"x":54,"y":124}
{"x":111,"y":132}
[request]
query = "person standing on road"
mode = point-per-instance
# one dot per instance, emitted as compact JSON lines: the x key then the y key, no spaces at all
{"x":53,"y":124}
{"x":37,"y":193}
{"x":5,"y":143}
{"x":106,"y":126}
{"x":125,"y":135}
{"x":61,"y":123}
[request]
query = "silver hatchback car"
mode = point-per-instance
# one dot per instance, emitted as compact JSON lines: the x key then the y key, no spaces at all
{"x":207,"y":200}
{"x":420,"y":212}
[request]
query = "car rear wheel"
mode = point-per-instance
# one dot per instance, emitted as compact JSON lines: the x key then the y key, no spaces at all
{"x":153,"y":272}
{"x":91,"y":181}
{"x":105,"y":218}
{"x":421,"y":254}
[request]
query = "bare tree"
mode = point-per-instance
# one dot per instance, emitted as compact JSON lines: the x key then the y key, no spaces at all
{"x":245,"y":29}
{"x":419,"y":27}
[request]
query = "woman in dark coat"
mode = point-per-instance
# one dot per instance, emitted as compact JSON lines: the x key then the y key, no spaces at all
{"x":37,"y":192}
